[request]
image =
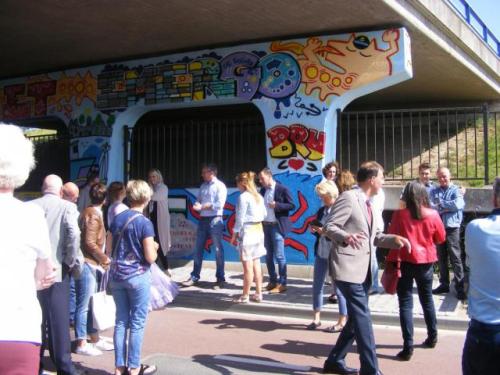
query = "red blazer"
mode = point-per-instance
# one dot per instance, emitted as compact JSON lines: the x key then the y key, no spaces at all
{"x":422,"y":234}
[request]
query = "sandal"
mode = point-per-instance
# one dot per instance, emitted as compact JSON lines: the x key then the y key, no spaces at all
{"x":147,"y":369}
{"x":313,"y":326}
{"x":256,"y":297}
{"x":242,"y":299}
{"x":335,"y":328}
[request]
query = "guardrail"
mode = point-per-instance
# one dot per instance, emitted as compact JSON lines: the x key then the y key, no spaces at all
{"x":468,"y":14}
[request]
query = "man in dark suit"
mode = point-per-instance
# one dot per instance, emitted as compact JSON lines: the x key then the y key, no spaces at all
{"x":354,"y":233}
{"x":62,"y":220}
{"x":278,"y":202}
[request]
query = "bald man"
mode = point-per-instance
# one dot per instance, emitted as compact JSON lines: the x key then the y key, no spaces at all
{"x":62,"y":220}
{"x":448,"y":200}
{"x":70,"y":192}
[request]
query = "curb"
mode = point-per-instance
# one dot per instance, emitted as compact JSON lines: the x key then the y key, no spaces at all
{"x":210,"y":302}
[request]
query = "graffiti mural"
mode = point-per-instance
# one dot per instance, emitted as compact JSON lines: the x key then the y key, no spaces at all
{"x":297,"y":85}
{"x":334,"y":67}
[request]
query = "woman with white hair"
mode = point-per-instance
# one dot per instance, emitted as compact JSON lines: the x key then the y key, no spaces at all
{"x":160,"y":216}
{"x":133,"y":250}
{"x":24,"y":259}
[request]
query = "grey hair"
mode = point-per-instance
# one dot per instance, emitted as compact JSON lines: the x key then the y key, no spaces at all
{"x":16,"y":157}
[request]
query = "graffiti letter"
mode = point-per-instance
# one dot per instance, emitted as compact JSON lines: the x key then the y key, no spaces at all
{"x":13,"y":109}
{"x":40,"y":91}
{"x":298,"y":135}
{"x":316,"y":144}
{"x":281,"y":146}
{"x":241,"y":66}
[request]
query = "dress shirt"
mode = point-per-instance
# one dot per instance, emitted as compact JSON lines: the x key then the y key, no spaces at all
{"x":215,"y":193}
{"x":268,"y":198}
{"x":482,"y":245}
{"x":449,"y":202}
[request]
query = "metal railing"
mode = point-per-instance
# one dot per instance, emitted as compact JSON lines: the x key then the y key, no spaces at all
{"x":468,"y":14}
{"x":466,"y":140}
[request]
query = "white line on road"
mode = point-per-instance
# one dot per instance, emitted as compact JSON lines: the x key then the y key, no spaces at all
{"x":263,"y":363}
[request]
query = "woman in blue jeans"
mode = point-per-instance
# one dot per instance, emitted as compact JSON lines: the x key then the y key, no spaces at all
{"x":133,"y":250}
{"x":328,"y":193}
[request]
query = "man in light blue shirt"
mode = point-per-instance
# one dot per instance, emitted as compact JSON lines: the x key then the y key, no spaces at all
{"x":448,"y":200}
{"x":481,"y":354}
{"x":210,"y":204}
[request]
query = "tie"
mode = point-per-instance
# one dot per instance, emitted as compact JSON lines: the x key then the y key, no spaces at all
{"x":370,"y":214}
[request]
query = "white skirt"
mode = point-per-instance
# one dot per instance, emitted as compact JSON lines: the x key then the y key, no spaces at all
{"x":251,"y":242}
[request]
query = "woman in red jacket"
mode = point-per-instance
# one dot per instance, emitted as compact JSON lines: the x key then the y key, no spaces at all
{"x":423,"y":228}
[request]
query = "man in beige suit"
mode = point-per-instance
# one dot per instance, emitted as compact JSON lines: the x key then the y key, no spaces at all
{"x":354,"y":233}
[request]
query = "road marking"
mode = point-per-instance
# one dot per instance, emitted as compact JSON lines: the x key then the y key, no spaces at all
{"x":263,"y":363}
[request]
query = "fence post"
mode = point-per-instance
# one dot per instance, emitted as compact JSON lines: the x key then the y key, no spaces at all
{"x":485,"y":134}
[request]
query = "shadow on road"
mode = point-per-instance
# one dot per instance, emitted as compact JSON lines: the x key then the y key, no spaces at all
{"x":255,"y":325}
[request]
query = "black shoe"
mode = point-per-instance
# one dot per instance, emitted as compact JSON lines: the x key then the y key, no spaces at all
{"x":313,"y":326}
{"x":441,"y":289}
{"x":405,"y":354}
{"x":461,"y":296}
{"x":430,"y":342}
{"x":335,"y":368}
{"x":219,"y":285}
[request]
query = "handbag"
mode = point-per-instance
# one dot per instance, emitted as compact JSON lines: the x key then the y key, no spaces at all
{"x":103,"y":311}
{"x":390,"y":276}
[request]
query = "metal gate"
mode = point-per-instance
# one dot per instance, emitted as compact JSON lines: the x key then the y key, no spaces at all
{"x":178,"y":142}
{"x":466,"y":140}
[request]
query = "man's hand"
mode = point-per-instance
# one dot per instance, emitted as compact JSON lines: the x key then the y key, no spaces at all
{"x":316,"y":229}
{"x":206,"y":206}
{"x":355,"y":240}
{"x":404,"y":242}
{"x":47,"y":281}
{"x":197,"y":206}
{"x":272,"y":204}
{"x":233,"y":239}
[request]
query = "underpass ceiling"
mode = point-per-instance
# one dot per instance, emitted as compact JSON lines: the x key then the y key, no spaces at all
{"x":48,"y":35}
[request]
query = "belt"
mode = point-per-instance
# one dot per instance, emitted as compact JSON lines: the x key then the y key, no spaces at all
{"x":210,"y":217}
{"x":270,"y":222}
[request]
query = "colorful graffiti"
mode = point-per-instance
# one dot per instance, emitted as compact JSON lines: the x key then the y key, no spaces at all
{"x":287,"y":142}
{"x":341,"y":65}
{"x":41,"y":95}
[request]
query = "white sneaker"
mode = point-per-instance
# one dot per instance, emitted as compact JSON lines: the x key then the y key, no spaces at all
{"x":104,"y":345}
{"x":88,"y":349}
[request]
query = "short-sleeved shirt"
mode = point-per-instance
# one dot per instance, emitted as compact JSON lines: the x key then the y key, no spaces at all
{"x":128,"y":258}
{"x":24,"y":238}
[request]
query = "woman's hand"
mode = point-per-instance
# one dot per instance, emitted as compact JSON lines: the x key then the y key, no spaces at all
{"x":233,"y":239}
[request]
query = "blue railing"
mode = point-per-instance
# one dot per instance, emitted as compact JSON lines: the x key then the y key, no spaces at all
{"x":464,"y":9}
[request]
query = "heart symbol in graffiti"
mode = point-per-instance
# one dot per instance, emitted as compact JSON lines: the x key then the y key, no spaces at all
{"x":295,"y":164}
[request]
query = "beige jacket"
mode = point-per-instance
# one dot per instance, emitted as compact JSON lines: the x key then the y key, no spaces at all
{"x":349,"y":215}
{"x":93,"y":236}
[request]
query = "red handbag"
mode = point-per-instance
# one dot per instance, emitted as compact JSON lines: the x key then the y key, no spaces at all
{"x":390,"y":276}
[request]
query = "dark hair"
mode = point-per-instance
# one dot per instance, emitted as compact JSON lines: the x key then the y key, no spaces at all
{"x":97,"y":193}
{"x":211,"y":167}
{"x":415,"y":196}
{"x":368,"y":170}
{"x":423,"y":166}
{"x":115,"y":189}
{"x":328,"y":166}
{"x":267,"y":171}
{"x":92,"y":176}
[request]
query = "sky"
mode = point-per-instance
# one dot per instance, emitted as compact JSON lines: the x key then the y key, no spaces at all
{"x":489,"y":12}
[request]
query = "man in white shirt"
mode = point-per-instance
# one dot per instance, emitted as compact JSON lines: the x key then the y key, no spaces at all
{"x":482,"y":246}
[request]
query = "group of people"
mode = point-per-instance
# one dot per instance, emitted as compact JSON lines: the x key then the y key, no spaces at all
{"x":70,"y":245}
{"x":57,"y":253}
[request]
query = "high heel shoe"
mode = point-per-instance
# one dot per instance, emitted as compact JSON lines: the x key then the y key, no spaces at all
{"x":256,"y":297}
{"x":242,"y":299}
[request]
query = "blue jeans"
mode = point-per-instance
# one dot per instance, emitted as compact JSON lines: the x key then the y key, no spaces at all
{"x":275,"y":247}
{"x":374,"y":271}
{"x":132,"y":300}
{"x":72,"y":299}
{"x":213,"y":227}
{"x":320,"y":270}
{"x":359,"y":327}
{"x":422,"y":273}
{"x":85,"y":287}
{"x":342,"y":302}
{"x":481,"y":354}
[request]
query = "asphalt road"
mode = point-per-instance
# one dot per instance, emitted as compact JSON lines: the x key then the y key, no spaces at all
{"x":188,"y":341}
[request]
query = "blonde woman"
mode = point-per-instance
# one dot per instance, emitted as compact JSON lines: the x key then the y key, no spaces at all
{"x":249,"y":235}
